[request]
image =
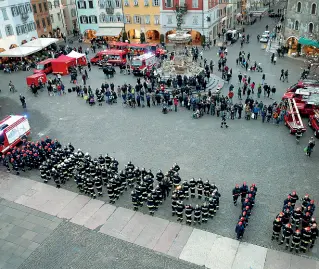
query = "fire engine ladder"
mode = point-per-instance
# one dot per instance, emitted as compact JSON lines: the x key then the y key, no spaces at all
{"x":316,"y":111}
{"x":295,"y":112}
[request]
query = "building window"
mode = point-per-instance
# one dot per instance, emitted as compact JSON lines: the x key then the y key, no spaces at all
{"x":182,"y":2}
{"x":0,"y":34}
{"x":102,"y":17}
{"x":25,"y":29}
{"x":38,"y":24}
{"x":29,"y":26}
{"x":90,"y":4}
{"x":117,"y":3}
{"x":169,"y":19}
{"x":126,"y":3}
{"x":40,"y":7}
{"x":22,"y":9}
{"x":14,"y":11}
{"x":92,"y":19}
{"x":137,"y":19}
{"x":59,"y":17}
{"x":296,"y":25}
{"x":147,"y":19}
{"x":135,"y":3}
{"x":119,"y":17}
{"x":48,"y":21}
{"x":156,"y":19}
{"x":299,"y":7}
{"x":155,"y":3}
{"x":310,"y":28}
{"x":313,"y":9}
{"x":43,"y":22}
{"x":82,"y":4}
{"x":9,"y":30}
{"x":56,"y":3}
{"x":146,"y":3}
{"x":28,"y":8}
{"x":51,"y":18}
{"x":18,"y":29}
{"x":4,"y":14}
{"x":50,"y":5}
{"x":194,"y":3}
{"x":127,"y":19}
{"x":83,"y":19}
{"x":195,"y":20}
{"x":168,"y":3}
{"x":45,"y":6}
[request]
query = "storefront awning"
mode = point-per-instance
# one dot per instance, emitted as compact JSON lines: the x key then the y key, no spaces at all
{"x":308,"y":42}
{"x":108,"y":31}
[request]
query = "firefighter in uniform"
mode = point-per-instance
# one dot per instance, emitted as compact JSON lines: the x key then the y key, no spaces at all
{"x":236,"y":194}
{"x":43,"y":173}
{"x":174,"y":204}
{"x":314,"y":234}
{"x":197,"y":214}
{"x":296,"y":217}
{"x":110,"y":192}
{"x":188,"y":214}
{"x":192,"y":186}
{"x":243,"y":191}
{"x":295,"y":242}
{"x":98,"y":185}
{"x":277,"y":224}
{"x":305,"y":239}
{"x":294,"y":198}
{"x":286,"y":234}
{"x":205,"y":212}
{"x":179,"y":211}
{"x":134,"y":200}
{"x":186,"y":189}
{"x":150,"y":204}
{"x":211,"y":207}
{"x":159,"y":176}
{"x":200,"y":188}
{"x":305,"y":202}
{"x":90,"y":186}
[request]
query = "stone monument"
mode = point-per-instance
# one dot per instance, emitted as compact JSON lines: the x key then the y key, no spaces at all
{"x":182,"y":64}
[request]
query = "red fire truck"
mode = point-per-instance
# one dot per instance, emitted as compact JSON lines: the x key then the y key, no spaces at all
{"x":114,"y":57}
{"x":155,"y":48}
{"x":292,"y":118}
{"x":314,"y":122}
{"x":12,"y":129}
{"x":119,"y":46}
{"x":143,"y":64}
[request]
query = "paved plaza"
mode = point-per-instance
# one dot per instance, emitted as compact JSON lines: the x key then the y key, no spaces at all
{"x":96,"y":234}
{"x":250,"y":151}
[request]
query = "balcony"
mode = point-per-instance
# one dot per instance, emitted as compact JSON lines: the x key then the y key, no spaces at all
{"x":24,"y":17}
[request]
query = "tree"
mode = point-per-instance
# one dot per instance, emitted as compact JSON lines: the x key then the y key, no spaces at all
{"x":142,"y":37}
{"x":124,"y":36}
{"x":162,"y":38}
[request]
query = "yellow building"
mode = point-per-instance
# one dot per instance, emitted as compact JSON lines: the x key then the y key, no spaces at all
{"x":142,"y":16}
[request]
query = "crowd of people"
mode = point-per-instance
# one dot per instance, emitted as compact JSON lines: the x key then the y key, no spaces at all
{"x":247,"y":203}
{"x":295,"y":224}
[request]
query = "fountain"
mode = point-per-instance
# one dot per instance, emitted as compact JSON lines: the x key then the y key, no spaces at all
{"x":182,"y":64}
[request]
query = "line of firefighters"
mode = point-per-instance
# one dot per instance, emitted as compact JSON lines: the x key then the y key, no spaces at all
{"x":287,"y":224}
{"x":248,"y":201}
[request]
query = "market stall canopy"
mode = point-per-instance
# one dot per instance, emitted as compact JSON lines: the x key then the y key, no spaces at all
{"x":63,"y":58}
{"x":41,"y":42}
{"x":108,"y":31}
{"x":76,"y":55}
{"x":20,"y":52}
{"x":308,"y":42}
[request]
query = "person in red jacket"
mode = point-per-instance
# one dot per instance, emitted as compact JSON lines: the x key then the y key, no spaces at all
{"x":175,"y":103}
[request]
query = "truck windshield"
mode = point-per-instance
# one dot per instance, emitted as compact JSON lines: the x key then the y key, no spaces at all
{"x":1,"y":138}
{"x":40,"y":66}
{"x":136,"y":63}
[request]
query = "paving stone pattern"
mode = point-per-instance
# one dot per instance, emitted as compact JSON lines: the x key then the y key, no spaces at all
{"x":22,"y":230}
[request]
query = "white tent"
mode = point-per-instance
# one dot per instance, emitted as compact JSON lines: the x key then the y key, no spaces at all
{"x":40,"y":42}
{"x":76,"y":55}
{"x":20,"y":52}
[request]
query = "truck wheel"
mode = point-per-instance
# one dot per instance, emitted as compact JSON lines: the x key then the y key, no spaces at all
{"x":290,"y":131}
{"x":309,"y":123}
{"x":315,"y":134}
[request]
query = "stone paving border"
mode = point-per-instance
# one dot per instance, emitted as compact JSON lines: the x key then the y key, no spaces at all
{"x":177,"y":240}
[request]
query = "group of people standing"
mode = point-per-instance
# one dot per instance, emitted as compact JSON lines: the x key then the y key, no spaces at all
{"x":247,"y":196}
{"x":295,"y":224}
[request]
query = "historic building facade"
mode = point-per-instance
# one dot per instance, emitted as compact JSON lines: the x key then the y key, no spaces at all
{"x":42,"y":17}
{"x":17,"y":23}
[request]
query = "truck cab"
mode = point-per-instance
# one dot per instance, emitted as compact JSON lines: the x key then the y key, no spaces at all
{"x":143,"y":64}
{"x":313,"y":122}
{"x":112,"y":56}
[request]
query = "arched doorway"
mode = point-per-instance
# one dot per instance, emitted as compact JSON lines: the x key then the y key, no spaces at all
{"x":89,"y":34}
{"x":12,"y":46}
{"x":23,"y":42}
{"x":152,"y":35}
{"x":169,"y":33}
{"x":292,"y":43}
{"x":196,"y":37}
{"x":133,"y":34}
